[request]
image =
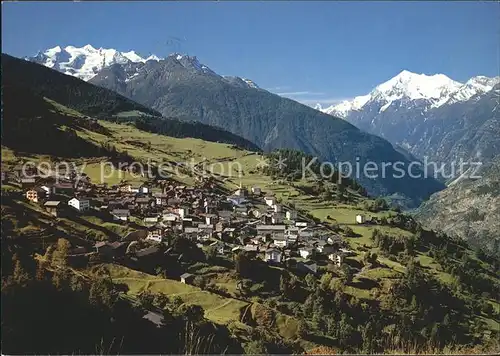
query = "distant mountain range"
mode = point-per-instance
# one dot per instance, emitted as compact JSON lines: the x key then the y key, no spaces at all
{"x":85,"y":62}
{"x":431,"y":116}
{"x":182,"y":87}
{"x":433,"y":90}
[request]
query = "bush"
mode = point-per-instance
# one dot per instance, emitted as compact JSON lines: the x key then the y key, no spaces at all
{"x":200,"y":282}
{"x":255,"y":347}
{"x":349,"y":231}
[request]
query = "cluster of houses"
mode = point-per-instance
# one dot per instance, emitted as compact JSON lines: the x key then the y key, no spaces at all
{"x":244,"y":220}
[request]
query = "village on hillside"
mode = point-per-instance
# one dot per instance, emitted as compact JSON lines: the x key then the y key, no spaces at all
{"x":244,"y":220}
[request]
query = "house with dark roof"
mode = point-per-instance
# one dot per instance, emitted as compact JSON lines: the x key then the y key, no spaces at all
{"x":280,"y":240}
{"x":143,"y":202}
{"x":219,"y":246}
{"x":187,"y":278}
{"x":148,"y":251}
{"x":324,"y":247}
{"x":27,"y":183}
{"x":80,"y":204}
{"x":63,"y":188}
{"x":120,"y":214}
{"x":272,"y":255}
{"x":155,"y":318}
{"x":236,"y":199}
{"x":53,"y":207}
{"x":306,"y":252}
{"x":161,"y":199}
{"x":270,"y":229}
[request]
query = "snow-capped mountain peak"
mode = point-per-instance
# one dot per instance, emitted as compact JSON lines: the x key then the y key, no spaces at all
{"x":89,"y":47}
{"x":132,"y":56}
{"x":53,"y":51}
{"x":85,"y":62}
{"x":346,"y":106}
{"x":475,"y":85}
{"x":414,"y":86}
{"x":433,"y":90}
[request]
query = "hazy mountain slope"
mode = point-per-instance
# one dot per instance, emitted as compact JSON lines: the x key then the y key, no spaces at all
{"x":180,"y":86}
{"x":468,"y":130}
{"x":103,"y":103}
{"x":468,"y":208}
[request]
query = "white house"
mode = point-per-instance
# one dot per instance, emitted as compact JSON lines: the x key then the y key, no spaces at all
{"x":273,"y":255}
{"x":150,"y":220}
{"x":79,"y":204}
{"x":206,"y":227}
{"x":305,"y":252}
{"x":301,"y":223}
{"x":229,"y":231}
{"x":134,"y":189}
{"x":277,"y":208}
{"x":183,"y":212}
{"x":155,"y":235}
{"x":280,"y":241}
{"x":120,"y":214}
{"x":251,"y":248}
{"x":241,"y":192}
{"x":292,"y":237}
{"x":144,"y":189}
{"x":46,"y":189}
{"x":210,"y":219}
{"x":360,"y":219}
{"x":161,"y":199}
{"x":270,"y":201}
{"x":291,"y":215}
{"x":170,"y":217}
{"x":187,"y":278}
{"x":336,"y":258}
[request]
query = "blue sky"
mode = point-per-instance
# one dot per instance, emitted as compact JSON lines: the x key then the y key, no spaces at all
{"x":309,"y":51}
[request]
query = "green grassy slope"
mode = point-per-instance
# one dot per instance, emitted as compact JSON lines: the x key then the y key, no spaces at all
{"x":373,"y":282}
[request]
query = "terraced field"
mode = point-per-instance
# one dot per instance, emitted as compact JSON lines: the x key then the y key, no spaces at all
{"x":217,"y":308}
